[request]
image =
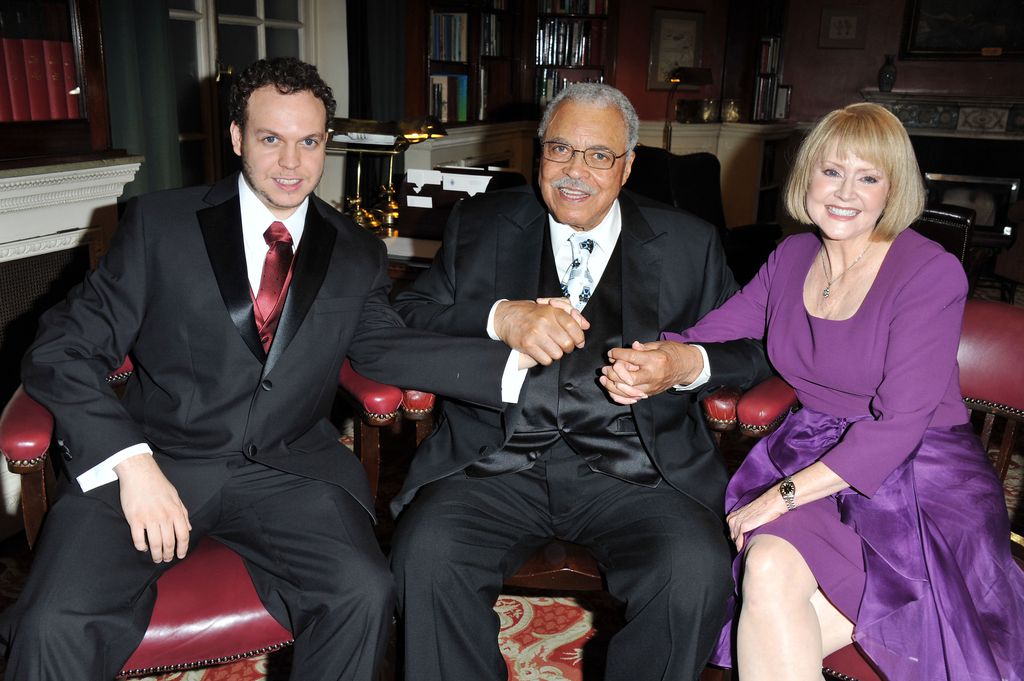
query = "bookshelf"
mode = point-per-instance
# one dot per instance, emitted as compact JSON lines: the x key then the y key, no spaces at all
{"x":771,"y":97}
{"x":469,"y":53}
{"x":54,"y":100}
{"x":503,"y":59}
{"x":572,"y":44}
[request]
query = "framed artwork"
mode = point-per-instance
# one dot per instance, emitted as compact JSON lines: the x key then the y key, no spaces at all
{"x":675,"y":42}
{"x":842,"y":28}
{"x":957,"y":29}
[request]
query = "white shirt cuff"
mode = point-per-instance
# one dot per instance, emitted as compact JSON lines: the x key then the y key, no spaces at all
{"x":512,"y":378}
{"x":490,"y":320}
{"x":703,"y":377}
{"x":103,"y":472}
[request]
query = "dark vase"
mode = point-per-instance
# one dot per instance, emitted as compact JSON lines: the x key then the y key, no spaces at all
{"x":887,"y":74}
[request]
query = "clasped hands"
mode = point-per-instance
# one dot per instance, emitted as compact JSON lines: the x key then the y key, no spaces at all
{"x":547,"y":329}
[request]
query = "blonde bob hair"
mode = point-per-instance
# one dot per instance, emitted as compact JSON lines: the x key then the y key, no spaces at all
{"x":872,"y":133}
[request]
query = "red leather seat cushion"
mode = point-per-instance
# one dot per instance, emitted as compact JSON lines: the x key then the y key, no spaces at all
{"x":207,"y":611}
{"x":989,"y":347}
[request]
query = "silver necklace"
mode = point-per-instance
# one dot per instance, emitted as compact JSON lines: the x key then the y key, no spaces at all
{"x":827,"y":291}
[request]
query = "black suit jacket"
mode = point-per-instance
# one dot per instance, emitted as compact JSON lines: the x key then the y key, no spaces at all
{"x":674,"y":272}
{"x":173,"y":292}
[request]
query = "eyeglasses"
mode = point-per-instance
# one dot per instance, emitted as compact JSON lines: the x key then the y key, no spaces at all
{"x":595,"y":157}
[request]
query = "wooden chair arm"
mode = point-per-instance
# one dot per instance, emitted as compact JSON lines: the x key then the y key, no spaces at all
{"x":762,"y":408}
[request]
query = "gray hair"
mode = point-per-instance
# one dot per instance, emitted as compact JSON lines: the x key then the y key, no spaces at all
{"x":596,"y":94}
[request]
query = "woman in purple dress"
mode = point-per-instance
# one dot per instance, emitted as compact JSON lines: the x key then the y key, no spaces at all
{"x":872,"y":514}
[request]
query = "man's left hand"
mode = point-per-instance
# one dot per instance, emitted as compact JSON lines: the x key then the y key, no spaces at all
{"x":646,"y":369}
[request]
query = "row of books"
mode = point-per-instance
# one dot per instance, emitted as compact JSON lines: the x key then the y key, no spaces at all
{"x":449,"y":97}
{"x":40,"y":82}
{"x":448,"y":36}
{"x":572,"y":6}
{"x":552,"y":81}
{"x":492,"y":35}
{"x":38,"y":71}
{"x":570,"y":42}
{"x":771,"y":100}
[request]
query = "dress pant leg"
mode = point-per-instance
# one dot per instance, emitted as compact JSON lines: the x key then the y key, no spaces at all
{"x":665,"y":556}
{"x":316,"y":565}
{"x":452,"y":549}
{"x":87,"y":600}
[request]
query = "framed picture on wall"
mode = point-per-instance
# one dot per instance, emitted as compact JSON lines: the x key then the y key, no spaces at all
{"x":953,"y":29}
{"x":842,"y":28}
{"x":675,"y":41}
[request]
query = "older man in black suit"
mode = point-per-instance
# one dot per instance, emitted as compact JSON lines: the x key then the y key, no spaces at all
{"x":238,"y":304}
{"x":640,"y":486}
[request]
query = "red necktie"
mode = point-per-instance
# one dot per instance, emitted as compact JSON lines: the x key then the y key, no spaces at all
{"x":273,"y":282}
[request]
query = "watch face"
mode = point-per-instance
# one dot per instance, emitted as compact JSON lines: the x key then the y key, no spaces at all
{"x":787,"y":488}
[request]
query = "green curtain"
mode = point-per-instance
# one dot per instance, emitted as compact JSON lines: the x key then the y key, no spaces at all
{"x":140,"y":86}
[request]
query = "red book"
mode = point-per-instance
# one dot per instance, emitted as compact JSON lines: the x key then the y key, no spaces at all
{"x":14,"y":60}
{"x":55,"y":79}
{"x":35,"y":77}
{"x":6,"y":112}
{"x":72,"y":93}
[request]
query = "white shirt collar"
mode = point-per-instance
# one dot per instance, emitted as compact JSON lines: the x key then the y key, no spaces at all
{"x":605,"y":234}
{"x":256,"y":217}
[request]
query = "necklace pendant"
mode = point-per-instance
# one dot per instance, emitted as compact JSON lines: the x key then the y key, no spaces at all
{"x":826,"y":292}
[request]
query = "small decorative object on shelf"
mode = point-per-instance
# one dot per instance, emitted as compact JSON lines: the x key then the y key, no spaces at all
{"x":887,"y":74}
{"x":731,"y":110}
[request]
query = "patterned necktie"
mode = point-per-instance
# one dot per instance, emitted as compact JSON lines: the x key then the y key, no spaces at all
{"x":273,"y":281}
{"x":577,"y":284}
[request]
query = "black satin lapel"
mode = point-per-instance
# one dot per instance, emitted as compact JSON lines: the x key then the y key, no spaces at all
{"x":312,"y":260}
{"x":641,"y":280}
{"x":222,"y":231}
{"x":517,"y":277}
{"x":517,"y":270}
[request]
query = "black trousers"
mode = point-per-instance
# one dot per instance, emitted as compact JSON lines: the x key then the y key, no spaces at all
{"x":308,"y":545}
{"x":664,"y":555}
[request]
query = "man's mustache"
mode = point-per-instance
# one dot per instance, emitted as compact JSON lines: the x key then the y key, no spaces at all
{"x":574,"y":184}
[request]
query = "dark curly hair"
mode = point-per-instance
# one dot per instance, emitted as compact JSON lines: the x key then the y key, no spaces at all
{"x":288,"y":75}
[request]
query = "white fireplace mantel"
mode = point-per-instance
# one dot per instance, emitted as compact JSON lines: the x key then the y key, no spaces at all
{"x":58,"y":206}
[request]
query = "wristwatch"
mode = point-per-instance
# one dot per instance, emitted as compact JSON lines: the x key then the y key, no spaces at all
{"x":788,"y":491}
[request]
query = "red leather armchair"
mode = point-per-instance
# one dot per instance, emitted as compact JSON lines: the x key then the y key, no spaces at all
{"x":992,"y":384}
{"x":207,"y":611}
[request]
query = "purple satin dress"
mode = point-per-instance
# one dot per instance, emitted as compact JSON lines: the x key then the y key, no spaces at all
{"x":916,"y":551}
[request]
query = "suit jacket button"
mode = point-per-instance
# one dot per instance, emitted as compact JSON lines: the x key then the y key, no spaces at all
{"x":267,"y":384}
{"x":66,"y":453}
{"x":251,"y":451}
{"x":568,"y":386}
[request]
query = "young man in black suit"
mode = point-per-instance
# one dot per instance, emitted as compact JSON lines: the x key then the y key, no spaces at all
{"x":238,"y":304}
{"x":641,"y":487}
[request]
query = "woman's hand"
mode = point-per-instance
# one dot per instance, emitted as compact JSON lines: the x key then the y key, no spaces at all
{"x":758,"y":512}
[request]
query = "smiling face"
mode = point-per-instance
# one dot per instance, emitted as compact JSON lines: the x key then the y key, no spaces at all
{"x":846,"y":197}
{"x":576,"y":194}
{"x":282,"y":147}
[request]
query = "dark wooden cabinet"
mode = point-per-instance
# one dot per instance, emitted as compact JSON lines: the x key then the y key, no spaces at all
{"x":85,"y":129}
